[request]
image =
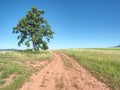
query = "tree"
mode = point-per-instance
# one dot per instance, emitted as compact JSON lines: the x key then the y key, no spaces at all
{"x":34,"y":28}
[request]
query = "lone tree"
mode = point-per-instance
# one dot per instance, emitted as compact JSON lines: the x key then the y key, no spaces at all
{"x":34,"y":28}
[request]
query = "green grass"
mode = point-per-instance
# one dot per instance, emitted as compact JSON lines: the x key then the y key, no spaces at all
{"x":13,"y":62}
{"x":103,"y":63}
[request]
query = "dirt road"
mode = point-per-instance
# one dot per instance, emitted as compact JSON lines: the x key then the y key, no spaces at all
{"x":63,"y":73}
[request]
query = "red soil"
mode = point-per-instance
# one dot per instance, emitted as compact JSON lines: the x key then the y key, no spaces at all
{"x":63,"y":73}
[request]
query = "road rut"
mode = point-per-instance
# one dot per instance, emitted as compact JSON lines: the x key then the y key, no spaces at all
{"x":63,"y":73}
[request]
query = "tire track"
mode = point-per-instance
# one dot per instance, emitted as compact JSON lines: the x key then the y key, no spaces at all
{"x":63,"y":73}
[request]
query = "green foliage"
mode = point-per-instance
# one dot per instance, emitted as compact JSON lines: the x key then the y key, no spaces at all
{"x":34,"y":28}
{"x":103,"y":63}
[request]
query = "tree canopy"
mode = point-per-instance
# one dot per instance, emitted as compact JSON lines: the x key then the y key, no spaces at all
{"x":34,"y":28}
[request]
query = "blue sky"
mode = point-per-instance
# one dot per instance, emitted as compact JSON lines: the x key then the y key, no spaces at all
{"x":76,"y":23}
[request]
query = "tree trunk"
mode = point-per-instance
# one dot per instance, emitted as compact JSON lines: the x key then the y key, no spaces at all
{"x":33,"y":49}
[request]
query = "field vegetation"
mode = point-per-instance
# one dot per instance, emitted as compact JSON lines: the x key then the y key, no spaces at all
{"x":13,"y":69}
{"x":103,"y":63}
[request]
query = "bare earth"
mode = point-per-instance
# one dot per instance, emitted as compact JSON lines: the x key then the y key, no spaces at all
{"x":63,"y":73}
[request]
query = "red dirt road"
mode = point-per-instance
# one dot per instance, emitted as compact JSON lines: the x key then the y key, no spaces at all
{"x":63,"y":73}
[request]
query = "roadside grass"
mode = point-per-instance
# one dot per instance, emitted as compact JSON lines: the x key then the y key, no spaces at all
{"x":102,"y":63}
{"x":37,"y":55}
{"x":13,"y":62}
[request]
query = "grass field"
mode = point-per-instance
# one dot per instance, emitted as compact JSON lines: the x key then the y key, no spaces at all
{"x":13,"y":69}
{"x":104,"y":63}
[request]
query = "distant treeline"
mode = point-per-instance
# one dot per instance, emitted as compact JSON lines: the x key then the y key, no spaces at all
{"x":117,"y":46}
{"x":8,"y":49}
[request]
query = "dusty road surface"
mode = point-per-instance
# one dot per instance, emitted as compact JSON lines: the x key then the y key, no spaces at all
{"x":63,"y":73}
